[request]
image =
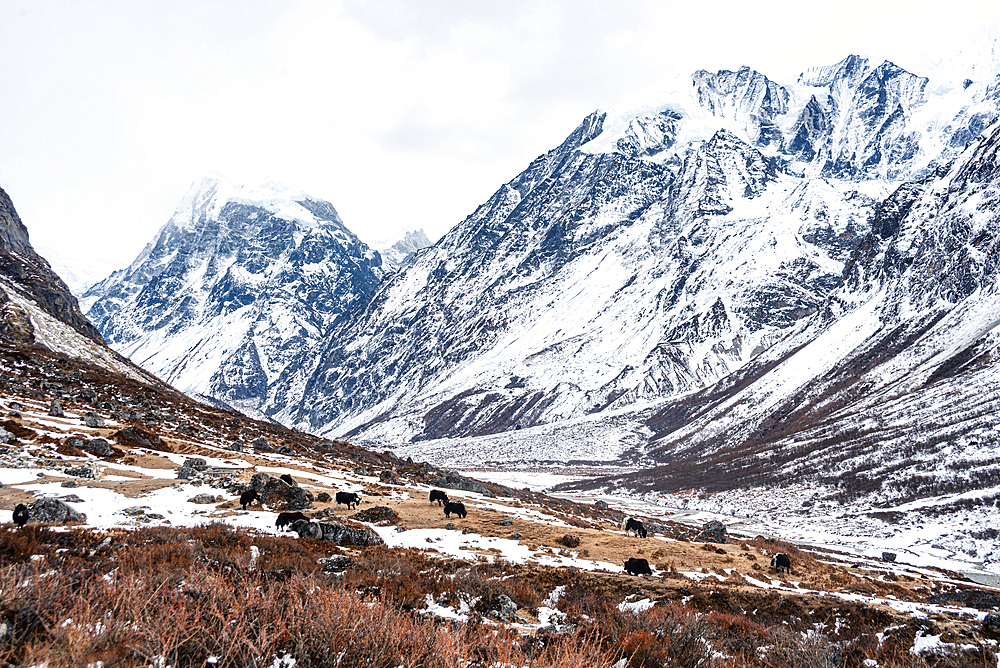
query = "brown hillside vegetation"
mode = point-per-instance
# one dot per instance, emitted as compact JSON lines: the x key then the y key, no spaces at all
{"x":147,"y":593}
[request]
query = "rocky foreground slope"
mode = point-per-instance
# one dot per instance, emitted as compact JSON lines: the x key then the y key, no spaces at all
{"x":150,"y":484}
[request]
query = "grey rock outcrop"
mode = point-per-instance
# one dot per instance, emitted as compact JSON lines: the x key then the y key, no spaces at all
{"x":56,"y":409}
{"x":340,"y":534}
{"x":55,"y":511}
{"x":714,"y":531}
{"x":276,"y":494}
{"x":99,"y":447}
{"x":453,"y":480}
{"x":258,"y":481}
{"x":503,"y":609}
{"x":92,"y":419}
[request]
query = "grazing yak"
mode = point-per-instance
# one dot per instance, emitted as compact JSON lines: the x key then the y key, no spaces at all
{"x":454,"y":507}
{"x":632,"y":524}
{"x":284,"y":519}
{"x":348,"y":498}
{"x":246,"y":498}
{"x":439,"y":496}
{"x":781,"y":561}
{"x":637,"y":567}
{"x":20,"y":514}
{"x":287,"y":479}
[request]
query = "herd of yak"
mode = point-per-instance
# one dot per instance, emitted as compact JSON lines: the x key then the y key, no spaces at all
{"x":634,"y":566}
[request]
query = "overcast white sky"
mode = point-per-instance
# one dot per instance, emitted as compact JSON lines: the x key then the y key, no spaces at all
{"x":402,"y":114}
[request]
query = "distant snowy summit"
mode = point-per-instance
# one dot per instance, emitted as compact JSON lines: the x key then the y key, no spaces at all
{"x":854,"y":120}
{"x":237,"y":285}
{"x":396,"y":252}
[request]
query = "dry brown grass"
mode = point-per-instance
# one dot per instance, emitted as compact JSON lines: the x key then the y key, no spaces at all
{"x":180,"y":596}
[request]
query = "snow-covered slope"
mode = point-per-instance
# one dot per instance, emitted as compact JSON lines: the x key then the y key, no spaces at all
{"x":883,"y":415}
{"x":237,"y":285}
{"x":654,"y":253}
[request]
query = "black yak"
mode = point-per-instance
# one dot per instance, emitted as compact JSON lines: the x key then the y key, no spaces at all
{"x":454,"y":507}
{"x":348,"y":498}
{"x":637,"y":567}
{"x":632,"y":524}
{"x":246,"y":498}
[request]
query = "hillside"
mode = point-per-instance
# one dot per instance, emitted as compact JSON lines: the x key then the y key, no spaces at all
{"x":154,"y":515}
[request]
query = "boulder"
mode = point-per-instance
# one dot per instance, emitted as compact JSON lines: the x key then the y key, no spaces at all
{"x":235,"y":447}
{"x":285,"y":450}
{"x":187,"y":473}
{"x":380,"y":515}
{"x":260,"y":443}
{"x":323,"y":497}
{"x":337,"y":562}
{"x":503,"y":608}
{"x":196,"y":463}
{"x":361,"y":470}
{"x":6,"y":437}
{"x":82,"y":471}
{"x":279,"y":495}
{"x":92,"y":419}
{"x":133,"y":436}
{"x":202,"y":498}
{"x":341,"y":534}
{"x":99,"y":447}
{"x":56,"y":409}
{"x":601,"y":504}
{"x":388,"y":476}
{"x":53,"y":510}
{"x":888,"y":556}
{"x":68,"y":484}
{"x":71,"y":498}
{"x":991,"y":623}
{"x":258,"y":481}
{"x":452,"y":480}
{"x":714,"y":531}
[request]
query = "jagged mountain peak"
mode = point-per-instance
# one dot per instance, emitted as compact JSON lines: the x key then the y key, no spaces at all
{"x":238,"y":284}
{"x":396,"y":251}
{"x":208,"y":195}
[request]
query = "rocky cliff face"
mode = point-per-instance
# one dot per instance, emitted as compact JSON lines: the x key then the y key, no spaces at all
{"x":37,"y":308}
{"x":236,"y":286}
{"x":31,"y":274}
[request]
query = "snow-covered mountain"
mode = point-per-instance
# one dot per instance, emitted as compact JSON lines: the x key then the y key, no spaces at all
{"x":240,"y":283}
{"x":654,"y":253}
{"x":396,"y":252}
